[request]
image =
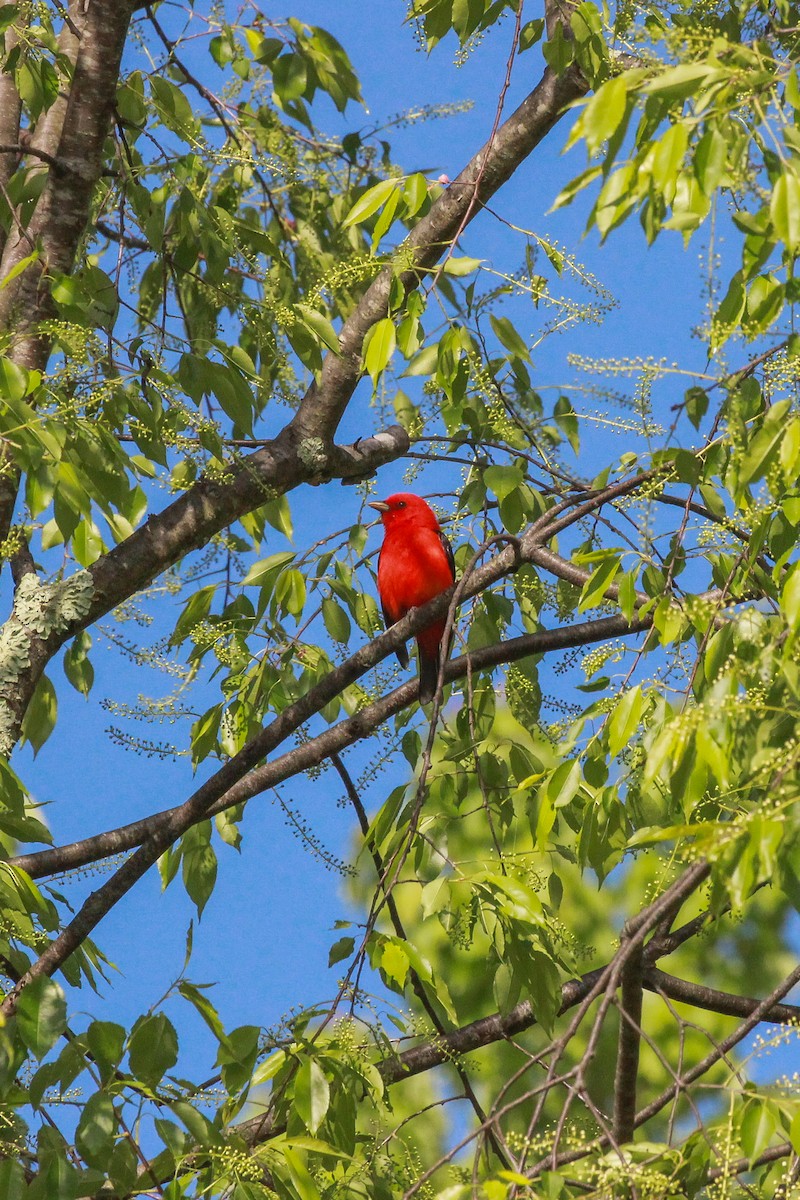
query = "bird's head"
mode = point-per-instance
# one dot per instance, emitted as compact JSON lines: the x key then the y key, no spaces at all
{"x":405,"y":508}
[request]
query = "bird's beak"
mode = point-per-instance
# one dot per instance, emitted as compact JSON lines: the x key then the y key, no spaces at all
{"x":379,"y":505}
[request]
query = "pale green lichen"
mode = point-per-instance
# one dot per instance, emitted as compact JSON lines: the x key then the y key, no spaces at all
{"x":311,"y":453}
{"x":42,"y":609}
{"x":8,"y":729}
{"x":52,"y":607}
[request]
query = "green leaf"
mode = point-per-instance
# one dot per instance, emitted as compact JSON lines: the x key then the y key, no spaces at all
{"x":599,"y":581}
{"x":97,"y":1127}
{"x":675,"y":83}
{"x":40,"y":716}
{"x":625,"y":720}
{"x":627,"y":594}
{"x":567,"y":421}
{"x":530,"y":34}
{"x":106,"y":1041}
{"x":290,"y":592}
{"x":301,"y":1178}
{"x":790,"y":598}
{"x":508,"y":337}
{"x":603,"y":112}
{"x":289,"y":77}
{"x":14,"y":383}
{"x":502,"y":481}
{"x":784,"y":209}
{"x":711,"y":160}
{"x":371,"y":200}
{"x":340,"y":950}
{"x":759,"y":1126}
{"x":379,"y":346}
{"x":237,"y":1056}
{"x":23,"y":263}
{"x":696,"y":401}
{"x":174,"y":108}
{"x":199,"y":873}
{"x":123,"y":1167}
{"x":269,"y":1068}
{"x":77,"y":668}
{"x":41,"y":1015}
{"x":319,"y":326}
{"x":461,"y":266}
{"x":544,"y":988}
{"x":394,"y":962}
{"x":153,"y":1048}
{"x":559,"y":51}
{"x":279,"y":516}
{"x":312,"y":1095}
{"x":204,"y":733}
{"x":415,"y":193}
{"x":336,"y":620}
{"x":266,"y":569}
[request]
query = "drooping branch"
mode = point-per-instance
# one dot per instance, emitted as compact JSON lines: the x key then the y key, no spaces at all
{"x":500,"y":1149}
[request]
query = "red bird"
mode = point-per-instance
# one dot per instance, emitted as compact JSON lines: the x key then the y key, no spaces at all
{"x":415,"y":564}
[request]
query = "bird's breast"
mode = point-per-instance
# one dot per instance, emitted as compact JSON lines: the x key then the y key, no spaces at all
{"x":412,"y":569}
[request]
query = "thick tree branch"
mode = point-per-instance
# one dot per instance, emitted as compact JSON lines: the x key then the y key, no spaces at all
{"x":490,"y":168}
{"x":10,"y":112}
{"x":72,"y":132}
{"x":185,"y":525}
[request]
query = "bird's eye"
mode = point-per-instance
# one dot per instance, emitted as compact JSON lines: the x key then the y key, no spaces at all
{"x":401,"y":504}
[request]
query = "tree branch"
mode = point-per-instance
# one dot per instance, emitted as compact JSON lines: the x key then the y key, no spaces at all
{"x":500,"y":1027}
{"x":200,"y":804}
{"x":41,"y":863}
{"x":630,"y":1023}
{"x":417,"y":984}
{"x":713,"y":1000}
{"x":761,"y":1012}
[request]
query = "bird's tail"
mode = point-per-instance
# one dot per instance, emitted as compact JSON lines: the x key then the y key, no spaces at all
{"x":428,"y":675}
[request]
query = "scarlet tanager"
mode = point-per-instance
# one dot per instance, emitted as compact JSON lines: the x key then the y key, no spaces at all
{"x":415,"y":564}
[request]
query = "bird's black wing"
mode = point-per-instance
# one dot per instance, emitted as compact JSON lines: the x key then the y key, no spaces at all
{"x":448,"y":549}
